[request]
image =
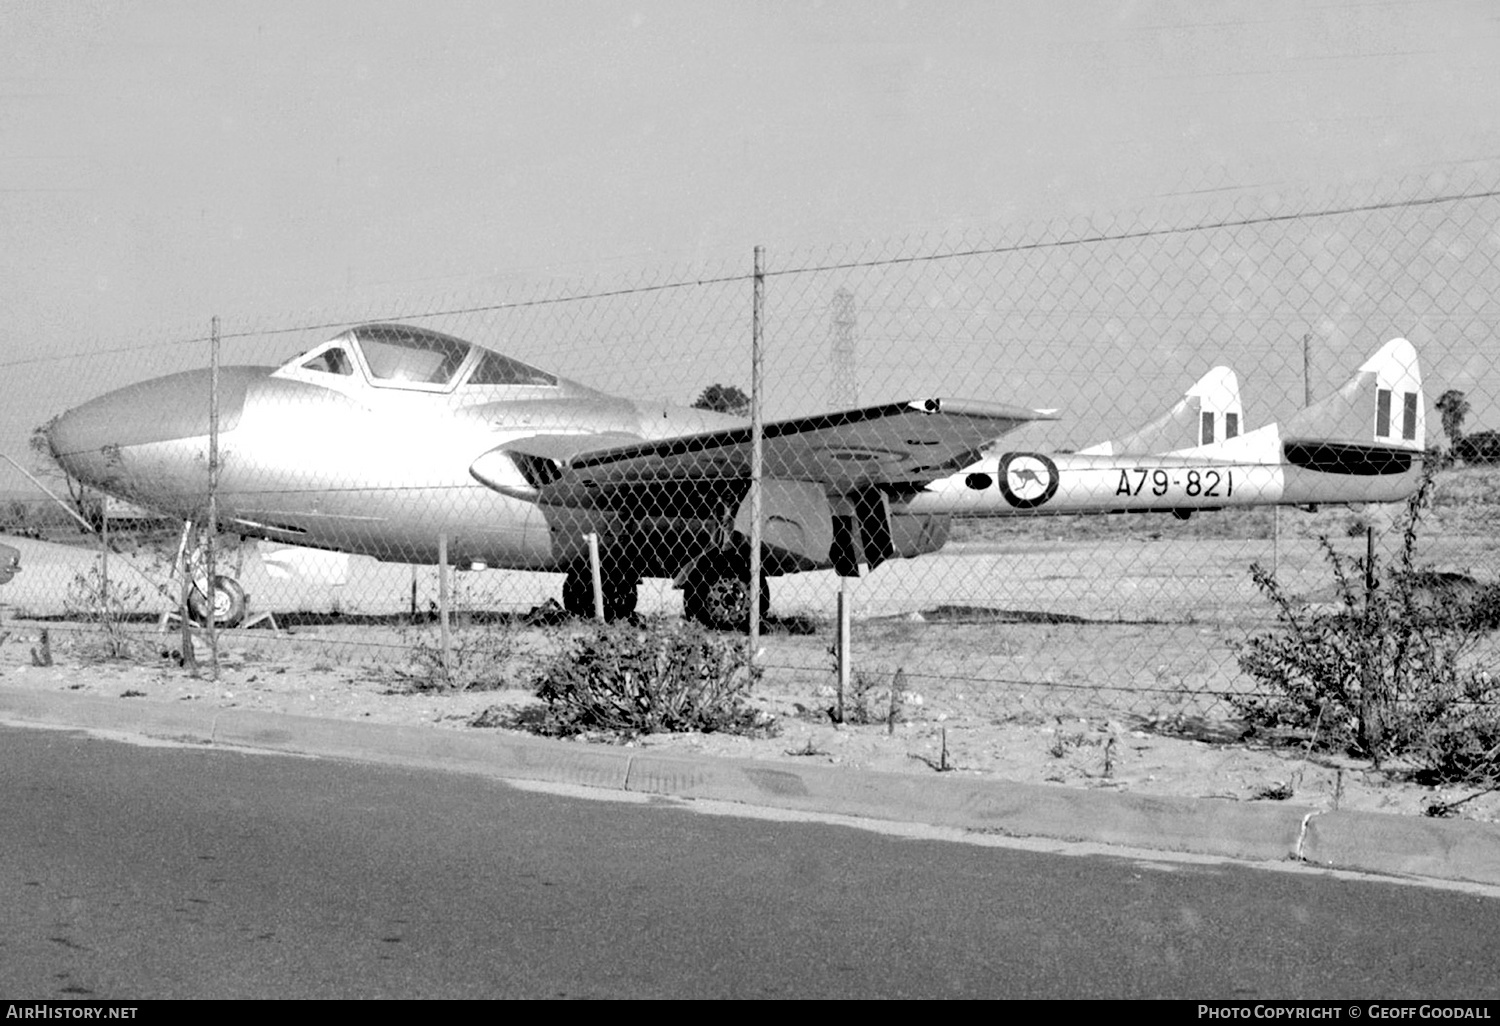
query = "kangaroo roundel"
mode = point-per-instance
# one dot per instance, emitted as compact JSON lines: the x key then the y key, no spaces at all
{"x":1027,"y":479}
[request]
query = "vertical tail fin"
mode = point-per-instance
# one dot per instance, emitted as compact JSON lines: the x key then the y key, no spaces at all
{"x":1208,"y":412}
{"x":1381,"y":405}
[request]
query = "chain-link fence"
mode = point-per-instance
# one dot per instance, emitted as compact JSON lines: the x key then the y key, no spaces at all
{"x":547,"y":445}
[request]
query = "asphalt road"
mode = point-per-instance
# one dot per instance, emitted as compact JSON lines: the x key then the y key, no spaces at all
{"x":135,"y":872}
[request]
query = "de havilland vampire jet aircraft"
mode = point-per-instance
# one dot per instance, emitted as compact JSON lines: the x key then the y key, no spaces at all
{"x":387,"y":436}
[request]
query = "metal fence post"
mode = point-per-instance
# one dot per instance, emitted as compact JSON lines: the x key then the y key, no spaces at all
{"x":210,"y":570}
{"x":757,"y":421}
{"x":444,"y":640}
{"x":184,"y":610}
{"x":596,"y":575}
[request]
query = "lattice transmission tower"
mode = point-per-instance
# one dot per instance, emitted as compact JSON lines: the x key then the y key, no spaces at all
{"x":843,"y":380}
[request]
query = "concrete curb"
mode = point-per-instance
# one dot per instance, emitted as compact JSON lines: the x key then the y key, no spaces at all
{"x":1451,"y":850}
{"x":1415,"y":846}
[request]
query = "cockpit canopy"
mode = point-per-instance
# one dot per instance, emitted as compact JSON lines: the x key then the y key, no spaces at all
{"x":404,"y":356}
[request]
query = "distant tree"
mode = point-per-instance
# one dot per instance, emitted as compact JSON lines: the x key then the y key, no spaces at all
{"x":724,"y":399}
{"x":1480,"y":447}
{"x":15,"y":516}
{"x":46,"y":468}
{"x":1454,"y":407}
{"x":37,"y":443}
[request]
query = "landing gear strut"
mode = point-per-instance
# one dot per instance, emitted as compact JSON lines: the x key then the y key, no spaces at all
{"x":228,"y":604}
{"x":717,"y":593}
{"x":619,"y":593}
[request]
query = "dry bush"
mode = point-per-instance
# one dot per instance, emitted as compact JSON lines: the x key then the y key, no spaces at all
{"x":624,"y":679}
{"x":1390,"y":670}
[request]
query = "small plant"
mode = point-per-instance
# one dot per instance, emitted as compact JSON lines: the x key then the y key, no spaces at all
{"x":1388,"y":671}
{"x":480,"y":658}
{"x":1278,"y":792}
{"x":875,"y":698}
{"x":942,"y":763}
{"x":105,"y":607}
{"x":624,"y":680}
{"x":1064,"y":742}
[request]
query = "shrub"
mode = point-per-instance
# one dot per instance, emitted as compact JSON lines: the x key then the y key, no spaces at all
{"x":480,"y":658}
{"x":1388,"y":671}
{"x":626,"y":679}
{"x":1482,"y":447}
{"x":105,"y":606}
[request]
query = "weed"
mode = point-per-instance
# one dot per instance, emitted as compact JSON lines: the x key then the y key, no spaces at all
{"x":942,"y":763}
{"x":622,"y":680}
{"x":875,"y":698}
{"x":480,"y":658}
{"x":1389,"y":671}
{"x":105,"y":607}
{"x":1065,"y":742}
{"x":1278,"y":792}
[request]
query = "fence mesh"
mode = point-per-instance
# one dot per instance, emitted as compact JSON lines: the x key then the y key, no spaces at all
{"x":499,"y":431}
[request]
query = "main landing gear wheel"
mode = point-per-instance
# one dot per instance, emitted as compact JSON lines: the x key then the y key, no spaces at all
{"x":619,"y":594}
{"x":229,"y":602}
{"x":717,"y":594}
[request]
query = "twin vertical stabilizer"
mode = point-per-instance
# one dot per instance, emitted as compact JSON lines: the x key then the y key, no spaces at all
{"x":1209,"y":412}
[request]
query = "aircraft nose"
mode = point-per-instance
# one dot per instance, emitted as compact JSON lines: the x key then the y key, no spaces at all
{"x":159,"y":410}
{"x":79,"y":431}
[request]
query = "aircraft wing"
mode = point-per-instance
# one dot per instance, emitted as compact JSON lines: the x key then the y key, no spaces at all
{"x":896,"y":444}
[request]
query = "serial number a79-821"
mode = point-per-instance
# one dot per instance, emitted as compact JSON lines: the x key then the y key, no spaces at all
{"x":1194,"y":484}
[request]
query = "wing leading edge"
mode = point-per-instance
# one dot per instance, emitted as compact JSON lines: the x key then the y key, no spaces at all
{"x":903,"y":444}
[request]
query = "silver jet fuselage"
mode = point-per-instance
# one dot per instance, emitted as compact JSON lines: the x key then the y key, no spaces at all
{"x":353,"y":462}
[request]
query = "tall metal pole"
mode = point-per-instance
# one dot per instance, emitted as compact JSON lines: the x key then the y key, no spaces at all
{"x":1306,"y":402}
{"x":756,"y":456}
{"x":213,"y":498}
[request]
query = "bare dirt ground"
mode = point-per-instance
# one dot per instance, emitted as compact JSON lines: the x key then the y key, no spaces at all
{"x":941,"y":724}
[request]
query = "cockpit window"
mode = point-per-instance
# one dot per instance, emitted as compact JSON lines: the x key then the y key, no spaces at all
{"x":404,"y":354}
{"x":408,"y":357}
{"x":495,"y":369}
{"x":331,"y":361}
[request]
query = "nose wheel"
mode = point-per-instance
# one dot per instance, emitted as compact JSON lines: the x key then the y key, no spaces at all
{"x":226,"y":602}
{"x":227,"y":606}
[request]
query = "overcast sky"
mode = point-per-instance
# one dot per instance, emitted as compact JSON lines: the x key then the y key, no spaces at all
{"x":161,"y":162}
